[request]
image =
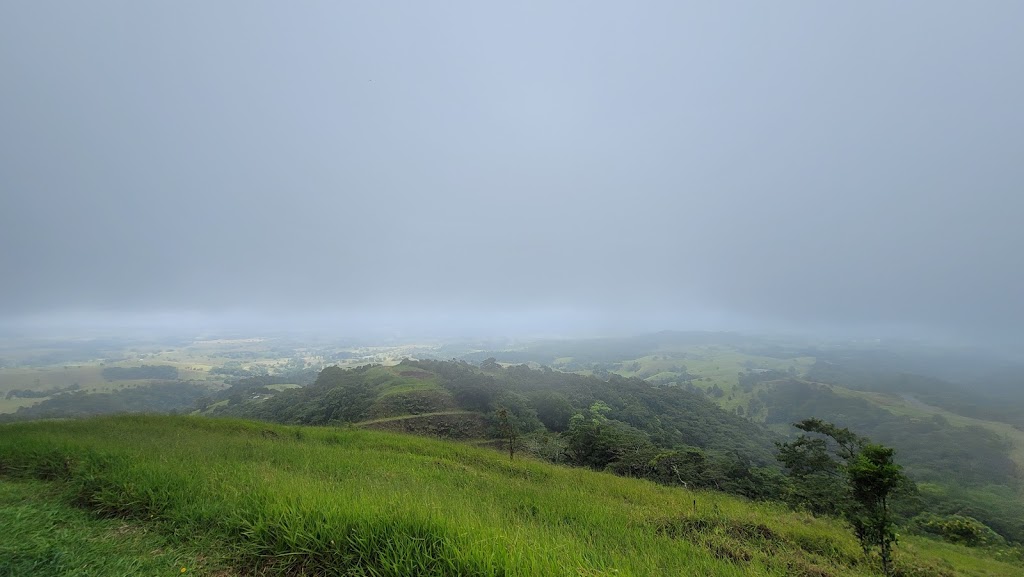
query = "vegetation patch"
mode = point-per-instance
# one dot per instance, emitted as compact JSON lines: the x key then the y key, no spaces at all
{"x":319,"y":501}
{"x":413,"y":402}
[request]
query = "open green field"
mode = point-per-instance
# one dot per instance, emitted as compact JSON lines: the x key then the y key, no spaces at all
{"x":321,"y":501}
{"x":712,"y":365}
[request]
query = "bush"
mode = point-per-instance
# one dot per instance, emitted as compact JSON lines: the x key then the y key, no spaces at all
{"x":957,"y":529}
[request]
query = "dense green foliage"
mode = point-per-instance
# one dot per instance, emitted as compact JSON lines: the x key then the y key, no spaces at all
{"x":627,"y":426}
{"x":861,"y":478}
{"x":998,"y":507}
{"x":957,"y":529}
{"x":873,"y":478}
{"x":932,"y":449}
{"x":964,"y":469}
{"x":816,"y":463}
{"x":317,"y":501}
{"x":241,"y":389}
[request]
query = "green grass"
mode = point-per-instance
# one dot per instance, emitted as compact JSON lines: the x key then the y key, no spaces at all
{"x":320,"y":501}
{"x":44,"y":536}
{"x":394,"y":382}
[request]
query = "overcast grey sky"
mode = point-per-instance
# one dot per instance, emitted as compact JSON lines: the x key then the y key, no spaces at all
{"x":801,"y":163}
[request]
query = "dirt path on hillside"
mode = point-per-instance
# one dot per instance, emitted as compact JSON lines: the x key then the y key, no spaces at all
{"x":404,"y":417}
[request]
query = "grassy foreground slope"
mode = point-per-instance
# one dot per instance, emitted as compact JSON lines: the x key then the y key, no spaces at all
{"x":291,"y":500}
{"x":42,"y":534}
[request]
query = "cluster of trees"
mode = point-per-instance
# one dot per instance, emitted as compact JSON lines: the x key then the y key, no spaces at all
{"x":963,"y":470}
{"x":38,"y":394}
{"x":594,"y":440}
{"x":336,"y":396}
{"x":245,"y":388}
{"x":751,"y":378}
{"x":625,"y":426}
{"x":669,"y":416}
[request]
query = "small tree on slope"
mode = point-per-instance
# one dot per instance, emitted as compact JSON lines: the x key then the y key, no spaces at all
{"x":873,"y":477}
{"x":862,"y":477}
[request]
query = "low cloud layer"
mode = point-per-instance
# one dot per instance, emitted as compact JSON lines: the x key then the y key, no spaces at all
{"x":806,"y":165}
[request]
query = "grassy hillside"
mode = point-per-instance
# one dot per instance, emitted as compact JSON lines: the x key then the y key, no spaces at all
{"x":290,"y":501}
{"x":664,"y":432}
{"x":952,"y":414}
{"x":629,"y":426}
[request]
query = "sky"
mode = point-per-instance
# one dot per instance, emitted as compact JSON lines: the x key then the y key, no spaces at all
{"x":531,"y":165}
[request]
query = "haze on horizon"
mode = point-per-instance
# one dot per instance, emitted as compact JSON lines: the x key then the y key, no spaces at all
{"x":581,"y":166}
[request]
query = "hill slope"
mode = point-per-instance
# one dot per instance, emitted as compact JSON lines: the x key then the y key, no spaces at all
{"x":954,"y":415}
{"x":287,"y":501}
{"x":629,"y":426}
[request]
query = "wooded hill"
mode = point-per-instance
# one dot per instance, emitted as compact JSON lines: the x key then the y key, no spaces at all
{"x":954,"y":414}
{"x":627,"y":426}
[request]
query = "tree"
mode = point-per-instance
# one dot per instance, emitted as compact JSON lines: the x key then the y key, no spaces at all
{"x":873,"y":478}
{"x":815,"y":465}
{"x":508,"y":430}
{"x":593,"y":439}
{"x":839,"y":472}
{"x":553,"y":409}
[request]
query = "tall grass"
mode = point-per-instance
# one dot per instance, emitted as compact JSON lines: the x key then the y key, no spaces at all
{"x":42,"y":536}
{"x":322,"y":501}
